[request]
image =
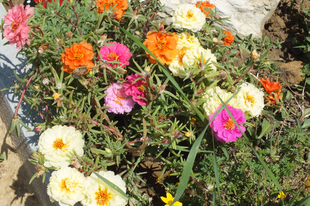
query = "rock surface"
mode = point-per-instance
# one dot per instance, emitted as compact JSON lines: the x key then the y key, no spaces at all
{"x":246,"y":16}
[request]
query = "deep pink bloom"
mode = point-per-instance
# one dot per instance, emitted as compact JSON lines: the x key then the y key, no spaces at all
{"x":116,"y":52}
{"x":17,"y":30}
{"x":117,"y":100}
{"x":223,"y":127}
{"x":136,"y":89}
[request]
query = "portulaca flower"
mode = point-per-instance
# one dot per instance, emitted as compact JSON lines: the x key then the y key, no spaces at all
{"x":212,"y":101}
{"x":97,"y":193}
{"x":250,"y":99}
{"x":187,"y":41}
{"x":66,"y":186}
{"x":189,"y":17}
{"x":57,"y":142}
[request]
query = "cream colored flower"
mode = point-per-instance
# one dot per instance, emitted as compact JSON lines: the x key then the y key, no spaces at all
{"x":177,"y":66}
{"x":212,"y":101}
{"x":200,"y":55}
{"x":250,"y":99}
{"x":66,"y":186}
{"x":187,"y":41}
{"x":97,"y":193}
{"x":57,"y":142}
{"x":189,"y":17}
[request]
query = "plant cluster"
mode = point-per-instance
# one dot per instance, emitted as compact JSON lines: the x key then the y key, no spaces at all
{"x":115,"y":85}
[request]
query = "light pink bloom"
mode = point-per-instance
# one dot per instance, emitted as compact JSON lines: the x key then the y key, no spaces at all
{"x":223,"y":127}
{"x":17,"y":30}
{"x":136,"y":89}
{"x":116,"y":52}
{"x":117,"y":100}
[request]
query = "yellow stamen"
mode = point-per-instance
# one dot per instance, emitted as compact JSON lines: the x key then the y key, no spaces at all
{"x":161,"y":44}
{"x":181,"y":55}
{"x":67,"y":186}
{"x":59,"y":144}
{"x":78,"y":56}
{"x":249,"y":100}
{"x":112,"y":56}
{"x":14,"y":26}
{"x":189,"y":14}
{"x":229,"y":124}
{"x":103,"y":197}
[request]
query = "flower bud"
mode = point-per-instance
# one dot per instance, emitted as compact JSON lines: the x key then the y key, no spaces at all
{"x":107,"y":150}
{"x":255,"y":55}
{"x":223,"y":74}
{"x":69,"y":34}
{"x":45,"y":81}
{"x":36,"y":87}
{"x":189,"y":133}
{"x":42,"y":48}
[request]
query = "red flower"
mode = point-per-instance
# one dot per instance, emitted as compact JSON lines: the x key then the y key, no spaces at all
{"x":272,"y":87}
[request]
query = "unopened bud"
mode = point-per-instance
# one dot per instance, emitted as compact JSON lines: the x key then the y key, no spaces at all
{"x":69,"y":34}
{"x":36,"y":87}
{"x":147,"y":69}
{"x":255,"y":55}
{"x":35,"y":155}
{"x":42,"y":48}
{"x":45,"y":81}
{"x":223,"y":74}
{"x":189,"y":133}
{"x":107,"y":150}
{"x":215,"y":40}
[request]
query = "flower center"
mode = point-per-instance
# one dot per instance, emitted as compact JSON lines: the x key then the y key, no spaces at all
{"x":119,"y":96}
{"x":59,"y":144}
{"x":66,"y":186}
{"x":78,"y":56}
{"x":14,"y":26}
{"x":112,"y":2}
{"x":181,"y":55}
{"x":249,"y":100}
{"x":103,"y":197}
{"x":161,"y":44}
{"x":169,"y":202}
{"x":189,"y":14}
{"x":112,"y":56}
{"x":229,"y":124}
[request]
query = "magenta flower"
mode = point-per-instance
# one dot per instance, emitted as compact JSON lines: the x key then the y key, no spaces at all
{"x":116,"y":52}
{"x":17,"y":30}
{"x":136,"y":89}
{"x":117,"y":100}
{"x":223,"y":127}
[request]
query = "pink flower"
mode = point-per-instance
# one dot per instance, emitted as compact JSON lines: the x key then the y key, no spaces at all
{"x":17,"y":30}
{"x":116,"y":52}
{"x":136,"y":89}
{"x":223,"y":127}
{"x":117,"y":100}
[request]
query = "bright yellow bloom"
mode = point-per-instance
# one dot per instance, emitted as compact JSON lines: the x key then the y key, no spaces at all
{"x":56,"y":96}
{"x":189,"y":133}
{"x":169,"y":199}
{"x":308,"y":182}
{"x":280,"y":196}
{"x":260,"y":200}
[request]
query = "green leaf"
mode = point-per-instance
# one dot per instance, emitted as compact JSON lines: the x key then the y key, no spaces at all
{"x":266,"y":128}
{"x":305,"y":201}
{"x":307,"y":111}
{"x":306,"y":123}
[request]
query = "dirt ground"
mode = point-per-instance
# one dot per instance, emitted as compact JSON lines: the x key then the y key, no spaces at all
{"x":287,"y":25}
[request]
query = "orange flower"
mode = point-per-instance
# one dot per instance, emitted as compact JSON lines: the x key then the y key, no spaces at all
{"x":272,"y":87}
{"x":162,"y":45}
{"x":229,"y":38}
{"x":77,"y":55}
{"x":121,"y":6}
{"x":205,"y":7}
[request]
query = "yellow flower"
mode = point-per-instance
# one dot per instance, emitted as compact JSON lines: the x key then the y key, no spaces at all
{"x":280,"y":196}
{"x":169,"y":199}
{"x":56,"y":96}
{"x":260,"y":200}
{"x":189,"y":133}
{"x":308,"y":182}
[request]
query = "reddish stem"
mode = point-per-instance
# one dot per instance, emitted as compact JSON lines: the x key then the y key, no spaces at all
{"x":244,"y":73}
{"x":22,"y":97}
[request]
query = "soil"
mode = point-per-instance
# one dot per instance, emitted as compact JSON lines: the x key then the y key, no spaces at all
{"x":286,"y":24}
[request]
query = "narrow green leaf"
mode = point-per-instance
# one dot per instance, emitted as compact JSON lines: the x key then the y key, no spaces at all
{"x":110,"y":184}
{"x":32,"y":178}
{"x":305,"y":201}
{"x":266,"y":128}
{"x":306,"y":123}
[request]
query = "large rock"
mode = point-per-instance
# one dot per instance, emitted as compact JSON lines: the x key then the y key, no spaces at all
{"x":246,"y":16}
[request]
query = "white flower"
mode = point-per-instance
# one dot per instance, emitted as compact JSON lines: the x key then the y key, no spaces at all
{"x":250,"y":99}
{"x":45,"y":81}
{"x":199,"y":53}
{"x":97,"y":193}
{"x":212,"y":101}
{"x":177,"y":66}
{"x":66,"y":186}
{"x":189,"y":17}
{"x":187,"y":41}
{"x":57,"y":142}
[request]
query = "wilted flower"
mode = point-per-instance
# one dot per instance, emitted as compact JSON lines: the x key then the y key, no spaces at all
{"x":162,"y":45}
{"x":78,"y":55}
{"x":187,"y":16}
{"x":169,"y":199}
{"x":224,"y":128}
{"x":57,"y":142}
{"x":66,"y":186}
{"x":136,"y":89}
{"x":17,"y":30}
{"x":59,"y":85}
{"x":117,"y":99}
{"x":255,"y":55}
{"x":121,"y":6}
{"x":98,"y":193}
{"x":115,"y":52}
